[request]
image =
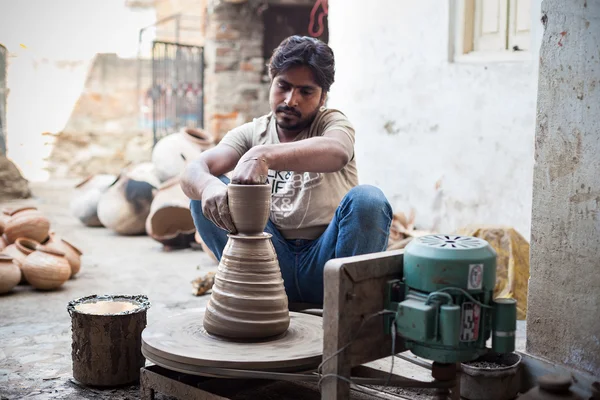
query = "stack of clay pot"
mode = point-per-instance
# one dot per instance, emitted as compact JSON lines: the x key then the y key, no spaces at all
{"x":44,"y":267}
{"x":125,"y":205}
{"x":248,"y":300}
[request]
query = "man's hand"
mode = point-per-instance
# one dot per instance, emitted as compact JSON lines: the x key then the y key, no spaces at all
{"x":251,"y":170}
{"x":215,"y":206}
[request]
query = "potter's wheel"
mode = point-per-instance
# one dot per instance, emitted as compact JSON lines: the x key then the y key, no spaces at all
{"x":182,"y":344}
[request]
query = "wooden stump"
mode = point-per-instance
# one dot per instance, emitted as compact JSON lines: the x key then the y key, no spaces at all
{"x":106,"y":349}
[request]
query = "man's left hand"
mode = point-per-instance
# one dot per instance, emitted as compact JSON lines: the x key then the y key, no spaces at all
{"x":251,"y":170}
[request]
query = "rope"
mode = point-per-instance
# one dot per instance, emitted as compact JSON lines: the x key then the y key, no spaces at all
{"x":321,"y":16}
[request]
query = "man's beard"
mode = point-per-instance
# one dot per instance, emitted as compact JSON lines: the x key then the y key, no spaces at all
{"x":294,"y":127}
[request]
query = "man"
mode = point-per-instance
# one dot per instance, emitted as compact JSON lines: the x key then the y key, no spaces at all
{"x":306,"y":153}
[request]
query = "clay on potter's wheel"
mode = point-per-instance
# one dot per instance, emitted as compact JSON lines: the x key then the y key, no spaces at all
{"x":250,"y":206}
{"x":248,"y":299}
{"x":180,"y":343}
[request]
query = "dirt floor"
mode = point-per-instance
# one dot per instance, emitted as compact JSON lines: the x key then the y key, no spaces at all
{"x":35,"y":328}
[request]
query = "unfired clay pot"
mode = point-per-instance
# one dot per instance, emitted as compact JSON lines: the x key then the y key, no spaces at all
{"x":46,"y":269}
{"x":125,"y":205}
{"x":250,"y":206}
{"x":20,"y":249}
{"x":84,"y":203}
{"x":3,"y":242}
{"x":27,"y":222}
{"x":10,"y":274}
{"x":171,"y":153}
{"x":248,"y":299}
{"x":170,"y":221}
{"x":72,"y":253}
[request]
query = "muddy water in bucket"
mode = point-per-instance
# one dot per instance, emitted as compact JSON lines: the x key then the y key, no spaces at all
{"x":106,"y":348}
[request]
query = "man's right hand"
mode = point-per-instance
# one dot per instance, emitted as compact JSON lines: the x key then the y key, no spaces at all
{"x":215,"y":206}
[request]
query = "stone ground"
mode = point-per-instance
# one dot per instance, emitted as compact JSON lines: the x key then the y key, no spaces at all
{"x":35,"y":328}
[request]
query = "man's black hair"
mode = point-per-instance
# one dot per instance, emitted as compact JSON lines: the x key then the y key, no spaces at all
{"x":298,"y":51}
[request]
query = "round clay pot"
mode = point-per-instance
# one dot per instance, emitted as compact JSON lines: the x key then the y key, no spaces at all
{"x":125,"y":205}
{"x":170,"y":221}
{"x":84,"y":203}
{"x":250,"y":206}
{"x":10,"y":274}
{"x":171,"y":153}
{"x":20,"y":249}
{"x":27,"y":222}
{"x":3,"y":242}
{"x":4,"y":218}
{"x":46,"y":269}
{"x":248,"y":299}
{"x":72,"y":253}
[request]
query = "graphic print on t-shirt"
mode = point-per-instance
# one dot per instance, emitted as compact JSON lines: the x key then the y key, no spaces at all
{"x":290,"y":195}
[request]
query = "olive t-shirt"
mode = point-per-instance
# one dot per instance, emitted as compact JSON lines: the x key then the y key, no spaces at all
{"x":302,"y":203}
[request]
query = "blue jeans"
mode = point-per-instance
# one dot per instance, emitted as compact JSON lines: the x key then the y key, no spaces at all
{"x":360,"y":225}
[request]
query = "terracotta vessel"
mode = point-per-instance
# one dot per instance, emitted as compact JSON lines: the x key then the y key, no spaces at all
{"x":248,"y":299}
{"x":171,"y":153}
{"x":3,"y":242}
{"x":27,"y":222}
{"x":84,"y":203}
{"x":125,"y":205}
{"x":20,"y":249}
{"x":4,"y":218}
{"x":46,"y":269}
{"x":72,"y":253}
{"x":170,"y":221}
{"x":10,"y":274}
{"x":250,"y":206}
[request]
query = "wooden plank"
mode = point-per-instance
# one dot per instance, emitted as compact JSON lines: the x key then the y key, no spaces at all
{"x":354,"y":294}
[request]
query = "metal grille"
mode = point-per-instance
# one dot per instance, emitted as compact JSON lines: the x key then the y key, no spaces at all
{"x":177,"y":88}
{"x":3,"y":90}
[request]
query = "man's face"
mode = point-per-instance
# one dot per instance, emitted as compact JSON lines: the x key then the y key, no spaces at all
{"x":295,"y":98}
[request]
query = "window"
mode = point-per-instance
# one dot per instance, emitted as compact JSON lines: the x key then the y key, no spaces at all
{"x":491,"y":29}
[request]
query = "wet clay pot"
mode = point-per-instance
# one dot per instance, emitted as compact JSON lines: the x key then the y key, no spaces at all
{"x":20,"y":249}
{"x":250,"y":206}
{"x":72,"y":253}
{"x":46,"y":269}
{"x":248,"y":299}
{"x":10,"y":273}
{"x":125,"y":205}
{"x":171,"y":153}
{"x":26,"y":222}
{"x":170,"y":221}
{"x":84,"y":203}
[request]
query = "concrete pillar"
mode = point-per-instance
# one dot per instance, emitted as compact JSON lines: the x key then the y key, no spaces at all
{"x":563,"y":323}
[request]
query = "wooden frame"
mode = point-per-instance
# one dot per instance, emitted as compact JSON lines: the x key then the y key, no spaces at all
{"x":354,"y":291}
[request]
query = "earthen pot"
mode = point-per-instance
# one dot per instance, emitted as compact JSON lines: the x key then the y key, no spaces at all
{"x":20,"y":249}
{"x":3,"y":242}
{"x":27,"y":222}
{"x":84,"y":202}
{"x":72,"y":253}
{"x":248,"y":299}
{"x":10,"y":273}
{"x":250,"y":206}
{"x":46,"y":269}
{"x":171,"y":153}
{"x":4,"y":218}
{"x":170,"y":221}
{"x":125,"y":205}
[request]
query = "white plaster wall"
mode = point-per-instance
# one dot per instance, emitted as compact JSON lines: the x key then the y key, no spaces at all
{"x":453,"y":140}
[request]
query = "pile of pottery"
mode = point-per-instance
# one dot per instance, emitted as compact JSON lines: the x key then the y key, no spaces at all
{"x":31,"y":253}
{"x":145,"y":198}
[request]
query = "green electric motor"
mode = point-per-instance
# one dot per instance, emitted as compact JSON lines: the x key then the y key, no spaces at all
{"x":444,"y":307}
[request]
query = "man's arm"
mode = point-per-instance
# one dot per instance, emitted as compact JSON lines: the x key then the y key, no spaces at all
{"x":328,"y":153}
{"x":204,"y":171}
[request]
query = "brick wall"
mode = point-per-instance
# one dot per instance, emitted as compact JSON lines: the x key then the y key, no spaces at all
{"x":236,"y":85}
